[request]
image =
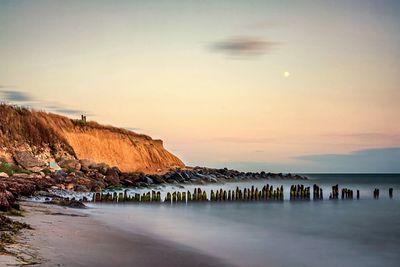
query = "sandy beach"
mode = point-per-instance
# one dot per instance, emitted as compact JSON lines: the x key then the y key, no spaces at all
{"x":67,"y":237}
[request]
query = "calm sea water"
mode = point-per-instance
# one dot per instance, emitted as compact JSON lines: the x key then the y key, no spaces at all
{"x":364,"y":232}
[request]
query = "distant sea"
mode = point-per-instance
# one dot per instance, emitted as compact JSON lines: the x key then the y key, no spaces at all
{"x":329,"y":233}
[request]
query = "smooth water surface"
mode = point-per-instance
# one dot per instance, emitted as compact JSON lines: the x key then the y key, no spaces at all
{"x":363,"y":232}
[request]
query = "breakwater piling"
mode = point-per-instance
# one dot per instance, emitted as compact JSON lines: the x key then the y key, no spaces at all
{"x":347,"y":193}
{"x":335,"y":192}
{"x":247,"y":194}
{"x":376,"y":193}
{"x":300,"y":192}
{"x":391,"y":192}
{"x":317,"y":193}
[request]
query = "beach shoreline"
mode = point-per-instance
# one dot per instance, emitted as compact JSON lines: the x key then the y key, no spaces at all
{"x":67,"y":237}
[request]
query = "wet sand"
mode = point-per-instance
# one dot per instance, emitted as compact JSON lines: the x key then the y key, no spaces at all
{"x":66,"y":237}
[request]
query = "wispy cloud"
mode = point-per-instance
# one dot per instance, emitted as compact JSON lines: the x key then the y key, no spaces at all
{"x":14,"y":96}
{"x":244,"y":46}
{"x":364,"y":135}
{"x":244,"y":140}
{"x":19,"y":97}
{"x":366,"y":160}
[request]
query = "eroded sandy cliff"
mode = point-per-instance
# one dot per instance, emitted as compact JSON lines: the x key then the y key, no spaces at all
{"x":51,"y":137}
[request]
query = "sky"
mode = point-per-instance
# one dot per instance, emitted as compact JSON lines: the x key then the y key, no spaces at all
{"x":291,"y":86}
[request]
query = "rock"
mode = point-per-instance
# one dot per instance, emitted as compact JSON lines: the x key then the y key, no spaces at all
{"x":54,"y":166}
{"x":81,"y":188}
{"x":149,"y":180}
{"x":70,"y":164}
{"x":4,"y":203}
{"x":112,"y":176}
{"x":86,"y":164}
{"x":72,"y":203}
{"x":176,"y":176}
{"x":4,"y":175}
{"x":100,"y":167}
{"x":28,"y":161}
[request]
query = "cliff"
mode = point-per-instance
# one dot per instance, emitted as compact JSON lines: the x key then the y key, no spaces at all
{"x":51,"y":137}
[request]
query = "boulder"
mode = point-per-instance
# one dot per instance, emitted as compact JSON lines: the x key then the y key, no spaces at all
{"x":28,"y":161}
{"x":100,"y":167}
{"x":71,"y":164}
{"x":54,"y":166}
{"x":4,"y":175}
{"x":112,"y":176}
{"x":4,"y":203}
{"x":86,"y":164}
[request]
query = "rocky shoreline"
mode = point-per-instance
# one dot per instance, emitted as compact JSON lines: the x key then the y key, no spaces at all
{"x":87,"y":176}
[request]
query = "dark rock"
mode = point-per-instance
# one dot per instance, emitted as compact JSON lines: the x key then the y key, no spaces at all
{"x":65,"y":202}
{"x":112,"y":176}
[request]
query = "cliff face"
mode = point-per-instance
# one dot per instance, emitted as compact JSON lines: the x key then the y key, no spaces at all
{"x":52,"y":137}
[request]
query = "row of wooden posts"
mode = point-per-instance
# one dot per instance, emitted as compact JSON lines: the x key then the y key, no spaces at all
{"x":247,"y":194}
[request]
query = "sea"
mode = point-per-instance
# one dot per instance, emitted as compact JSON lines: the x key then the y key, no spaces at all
{"x":330,"y":232}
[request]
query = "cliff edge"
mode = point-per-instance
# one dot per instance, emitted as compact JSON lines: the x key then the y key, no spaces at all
{"x":35,"y":137}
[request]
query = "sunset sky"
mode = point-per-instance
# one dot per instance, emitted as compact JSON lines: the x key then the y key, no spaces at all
{"x":300,"y":86}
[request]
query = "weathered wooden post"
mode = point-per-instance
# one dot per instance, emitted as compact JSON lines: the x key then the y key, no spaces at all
{"x":204,"y":197}
{"x":229,"y":195}
{"x":358,"y":194}
{"x":173,"y":197}
{"x":376,"y":193}
{"x":184,"y":197}
{"x":179,"y":197}
{"x":168,"y":198}
{"x":195,"y":194}
{"x":189,"y":196}
{"x":391,"y":192}
{"x":212,"y":195}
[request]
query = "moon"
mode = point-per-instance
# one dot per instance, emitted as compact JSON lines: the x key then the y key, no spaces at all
{"x":286,"y":74}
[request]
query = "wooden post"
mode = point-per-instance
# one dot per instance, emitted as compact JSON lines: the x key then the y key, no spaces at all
{"x":391,"y":192}
{"x":204,"y":196}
